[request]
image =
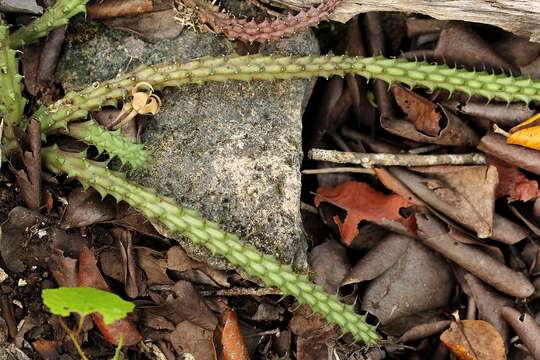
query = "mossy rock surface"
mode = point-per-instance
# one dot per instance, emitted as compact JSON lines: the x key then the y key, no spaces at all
{"x":231,"y":150}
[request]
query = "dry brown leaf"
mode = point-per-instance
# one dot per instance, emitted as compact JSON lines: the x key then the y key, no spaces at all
{"x":234,"y":346}
{"x":362,"y":202}
{"x":512,"y":182}
{"x":420,"y":111}
{"x":115,"y":8}
{"x":474,"y":340}
{"x":90,"y":276}
{"x":190,"y":338}
{"x":329,"y":263}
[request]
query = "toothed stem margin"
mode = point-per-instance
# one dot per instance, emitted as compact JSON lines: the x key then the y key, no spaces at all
{"x":11,"y":100}
{"x":116,"y":145}
{"x":76,"y":105}
{"x":190,"y":224}
{"x":56,"y":16}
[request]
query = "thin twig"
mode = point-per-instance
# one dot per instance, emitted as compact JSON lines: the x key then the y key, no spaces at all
{"x":370,"y":160}
{"x":339,"y":170}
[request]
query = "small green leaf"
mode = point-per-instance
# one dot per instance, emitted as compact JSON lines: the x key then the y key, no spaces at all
{"x":64,"y":300}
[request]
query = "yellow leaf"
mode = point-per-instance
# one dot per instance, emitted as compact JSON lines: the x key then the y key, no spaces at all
{"x":527,"y":133}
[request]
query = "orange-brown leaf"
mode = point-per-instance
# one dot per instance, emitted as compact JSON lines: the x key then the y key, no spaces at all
{"x":90,"y":276}
{"x":362,"y":202}
{"x":474,"y":340}
{"x":421,"y":112}
{"x":527,"y":133}
{"x":234,"y":346}
{"x":513,"y":183}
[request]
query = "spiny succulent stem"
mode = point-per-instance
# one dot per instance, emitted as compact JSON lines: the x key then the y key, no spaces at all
{"x":202,"y":232}
{"x":76,"y":105}
{"x":56,"y":16}
{"x":112,"y":142}
{"x":11,"y":99}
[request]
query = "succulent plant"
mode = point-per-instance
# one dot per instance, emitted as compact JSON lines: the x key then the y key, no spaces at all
{"x":55,"y":16}
{"x":253,"y":31}
{"x":205,"y":233}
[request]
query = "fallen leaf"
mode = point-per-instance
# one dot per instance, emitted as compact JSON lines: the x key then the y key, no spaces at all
{"x":474,"y":340}
{"x":330,"y":264}
{"x":21,"y":6}
{"x":194,"y":271}
{"x":90,"y":276}
{"x":466,"y":194}
{"x":313,"y":334}
{"x":190,"y":338}
{"x":362,"y":202}
{"x":419,"y":281}
{"x":85,"y":207}
{"x":473,"y":51}
{"x":420,"y":111}
{"x":525,"y":327}
{"x":424,"y":330}
{"x":63,"y":269}
{"x":124,"y":240}
{"x":151,"y":27}
{"x":496,"y":145}
{"x":378,"y":260}
{"x":154,"y":266}
{"x":513,"y":183}
{"x":25,"y":239}
{"x":526,"y":134}
{"x":185,"y":303}
{"x":454,"y":132}
{"x":489,"y":303}
{"x":47,"y":349}
{"x":115,"y":8}
{"x":234,"y":347}
{"x":29,"y":178}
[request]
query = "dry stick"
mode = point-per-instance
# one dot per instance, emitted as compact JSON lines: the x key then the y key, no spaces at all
{"x":526,"y":328}
{"x":370,"y":160}
{"x":339,"y":170}
{"x":434,"y":234}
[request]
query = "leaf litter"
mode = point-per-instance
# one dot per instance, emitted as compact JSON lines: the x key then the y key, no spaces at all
{"x":410,"y":245}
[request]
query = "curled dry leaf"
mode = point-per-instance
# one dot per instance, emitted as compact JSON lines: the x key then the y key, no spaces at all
{"x":115,"y":8}
{"x":85,"y":207}
{"x":453,"y":133}
{"x":527,"y":133}
{"x":424,"y":330}
{"x":513,"y":183}
{"x":362,"y":202}
{"x":465,"y":194}
{"x":29,"y":178}
{"x":234,"y":346}
{"x":495,"y":145}
{"x":419,"y":281}
{"x":526,"y":327}
{"x":474,"y":340}
{"x":378,"y":260}
{"x":435,"y":234}
{"x":330,"y":264}
{"x":190,"y":338}
{"x":473,"y":51}
{"x":420,"y":111}
{"x":489,"y":303}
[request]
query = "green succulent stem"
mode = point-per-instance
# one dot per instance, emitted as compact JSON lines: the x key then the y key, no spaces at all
{"x":11,"y":100}
{"x":55,"y":16}
{"x":189,"y":223}
{"x":76,"y":105}
{"x":112,"y":142}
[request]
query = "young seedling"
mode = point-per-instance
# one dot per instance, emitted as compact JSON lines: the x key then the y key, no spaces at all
{"x":85,"y":301}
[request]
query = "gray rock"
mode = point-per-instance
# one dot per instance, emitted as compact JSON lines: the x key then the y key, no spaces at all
{"x":231,"y":151}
